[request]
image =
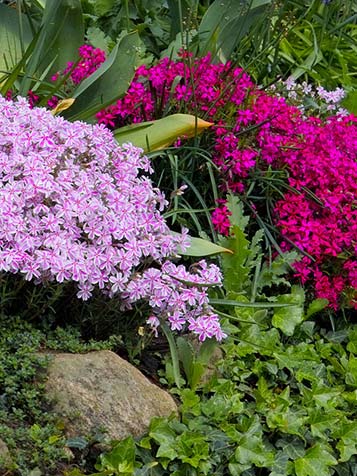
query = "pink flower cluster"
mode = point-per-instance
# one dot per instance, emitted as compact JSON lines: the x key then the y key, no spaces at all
{"x":321,"y":218}
{"x":319,"y":160}
{"x":90,"y":59}
{"x":187,"y":85}
{"x":255,"y":131}
{"x":75,"y":207}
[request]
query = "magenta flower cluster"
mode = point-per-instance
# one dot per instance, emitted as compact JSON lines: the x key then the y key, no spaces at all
{"x":255,"y":130}
{"x":77,"y":207}
{"x":90,"y":59}
{"x":203,"y":88}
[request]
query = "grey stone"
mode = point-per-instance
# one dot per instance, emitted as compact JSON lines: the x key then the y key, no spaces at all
{"x":5,"y":458}
{"x":99,"y":390}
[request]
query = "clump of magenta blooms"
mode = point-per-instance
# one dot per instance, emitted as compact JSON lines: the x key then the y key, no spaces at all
{"x":77,"y":207}
{"x":258,"y":130}
{"x":90,"y":59}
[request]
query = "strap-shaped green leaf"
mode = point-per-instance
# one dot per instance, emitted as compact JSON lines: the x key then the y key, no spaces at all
{"x":156,"y":135}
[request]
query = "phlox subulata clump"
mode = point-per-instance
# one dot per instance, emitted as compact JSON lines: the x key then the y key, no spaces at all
{"x":77,"y":207}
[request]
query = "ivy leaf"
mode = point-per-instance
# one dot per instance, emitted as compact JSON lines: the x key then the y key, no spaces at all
{"x":251,"y":448}
{"x":161,"y":432}
{"x":293,"y":449}
{"x":322,"y":421}
{"x":287,"y":318}
{"x":347,"y":445}
{"x":280,"y":464}
{"x":325,"y":396}
{"x":351,"y":374}
{"x":316,"y":462}
{"x":192,"y":448}
{"x":290,"y":422}
{"x":352,"y":345}
{"x":121,"y":458}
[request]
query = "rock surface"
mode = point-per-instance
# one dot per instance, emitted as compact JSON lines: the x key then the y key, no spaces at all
{"x":100,"y":390}
{"x":5,"y":458}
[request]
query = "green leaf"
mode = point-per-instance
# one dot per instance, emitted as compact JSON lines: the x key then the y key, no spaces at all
{"x":206,"y":350}
{"x":173,"y":351}
{"x":11,"y":43}
{"x":187,"y":357}
{"x":236,"y":274}
{"x":352,"y":344}
{"x":160,"y":134}
{"x":101,"y":7}
{"x":347,"y":445}
{"x":273,"y":273}
{"x":224,"y":25}
{"x":313,"y":58}
{"x":109,"y":82}
{"x":255,"y":305}
{"x":195,"y":361}
{"x":35,"y":472}
{"x":97,"y":38}
{"x":62,"y":20}
{"x":286,"y":319}
{"x":200,"y":247}
{"x":351,"y":374}
{"x":350,"y":102}
{"x":316,"y":462}
{"x":236,"y":208}
{"x":121,"y":458}
{"x":315,"y":306}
